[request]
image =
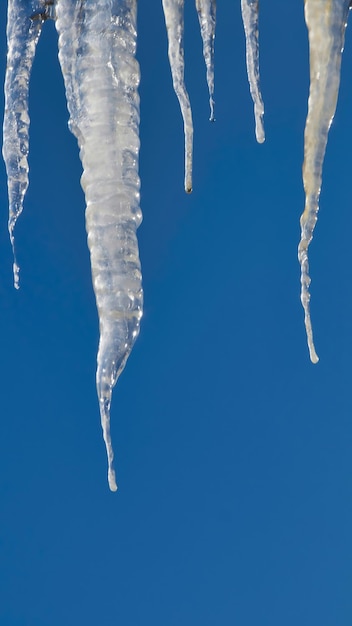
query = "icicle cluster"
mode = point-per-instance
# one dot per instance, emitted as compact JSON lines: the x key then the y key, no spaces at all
{"x":174,"y":20}
{"x":97,"y":44}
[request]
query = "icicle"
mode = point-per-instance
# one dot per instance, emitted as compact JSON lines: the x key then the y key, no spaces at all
{"x":326,"y":22}
{"x":97,"y":42}
{"x":207,"y":17}
{"x":23,"y":31}
{"x":174,"y":19}
{"x":250,"y":14}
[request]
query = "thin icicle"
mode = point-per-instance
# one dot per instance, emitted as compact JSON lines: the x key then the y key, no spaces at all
{"x":97,"y":42}
{"x":250,"y":16}
{"x":23,"y":31}
{"x":326,"y":22}
{"x":174,"y":20}
{"x":207,"y":19}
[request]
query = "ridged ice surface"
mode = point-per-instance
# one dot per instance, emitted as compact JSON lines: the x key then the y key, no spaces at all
{"x":326,"y":22}
{"x":97,"y":43}
{"x":250,"y":16}
{"x":22,"y":36}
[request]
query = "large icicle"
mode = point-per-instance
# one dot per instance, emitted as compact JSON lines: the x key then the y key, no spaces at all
{"x":97,"y":42}
{"x":250,"y":16}
{"x":23,"y":31}
{"x":207,"y":18}
{"x":326,"y":22}
{"x":174,"y":20}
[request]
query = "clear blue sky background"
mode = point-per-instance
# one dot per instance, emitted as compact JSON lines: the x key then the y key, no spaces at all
{"x":233,"y":452}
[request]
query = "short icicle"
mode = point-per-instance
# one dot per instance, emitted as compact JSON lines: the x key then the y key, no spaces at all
{"x":207,"y":20}
{"x":250,"y":16}
{"x":326,"y":23}
{"x":23,"y":32}
{"x":174,"y":20}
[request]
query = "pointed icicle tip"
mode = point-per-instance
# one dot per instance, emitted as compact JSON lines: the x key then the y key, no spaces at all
{"x":212,"y":110}
{"x":112,"y":480}
{"x":16,"y":276}
{"x":105,"y":401}
{"x":305,"y":295}
{"x":15,"y":266}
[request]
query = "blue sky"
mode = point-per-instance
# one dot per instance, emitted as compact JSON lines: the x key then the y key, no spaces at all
{"x":233,"y":452}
